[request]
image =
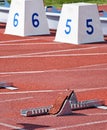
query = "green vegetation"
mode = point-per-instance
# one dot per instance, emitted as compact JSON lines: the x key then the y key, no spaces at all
{"x":58,"y":3}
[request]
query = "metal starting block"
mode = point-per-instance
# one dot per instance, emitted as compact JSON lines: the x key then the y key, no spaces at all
{"x":64,"y":105}
{"x":7,"y":85}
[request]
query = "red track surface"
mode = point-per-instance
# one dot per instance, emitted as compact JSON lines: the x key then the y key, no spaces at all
{"x":41,"y":69}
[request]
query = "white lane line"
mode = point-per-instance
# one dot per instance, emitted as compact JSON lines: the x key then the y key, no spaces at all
{"x":90,"y":89}
{"x":52,"y":55}
{"x":52,"y":91}
{"x":79,"y":125}
{"x":79,"y":68}
{"x":102,"y":107}
{"x":34,"y":91}
{"x":4,"y":75}
{"x":56,"y":51}
{"x":97,"y":114}
{"x":25,"y":44}
{"x":37,"y":53}
{"x":41,"y":53}
{"x":93,"y":65}
{"x":21,"y":40}
{"x":18,"y":99}
{"x":23,"y":72}
{"x":10,"y":126}
{"x":52,"y":71}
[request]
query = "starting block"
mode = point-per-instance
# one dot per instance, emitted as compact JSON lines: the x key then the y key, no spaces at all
{"x":53,"y":16}
{"x":27,"y":18}
{"x":79,"y":23}
{"x":7,"y":85}
{"x":4,"y":10}
{"x":4,"y":3}
{"x":64,"y":105}
{"x":103,"y":20}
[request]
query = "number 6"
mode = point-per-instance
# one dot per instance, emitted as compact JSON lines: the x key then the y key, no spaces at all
{"x":15,"y":20}
{"x":35,"y":21}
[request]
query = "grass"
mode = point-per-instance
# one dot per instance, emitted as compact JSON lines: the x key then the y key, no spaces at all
{"x":58,"y":3}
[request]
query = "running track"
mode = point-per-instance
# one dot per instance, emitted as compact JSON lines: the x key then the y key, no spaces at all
{"x":41,"y":69}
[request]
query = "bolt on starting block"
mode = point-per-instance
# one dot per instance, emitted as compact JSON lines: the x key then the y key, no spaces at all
{"x":64,"y":105}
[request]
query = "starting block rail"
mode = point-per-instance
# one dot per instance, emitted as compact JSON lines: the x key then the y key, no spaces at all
{"x":36,"y":111}
{"x":64,"y":105}
{"x":87,"y":104}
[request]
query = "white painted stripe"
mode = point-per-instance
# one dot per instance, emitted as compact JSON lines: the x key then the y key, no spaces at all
{"x":37,"y":53}
{"x":18,"y":99}
{"x":21,"y":40}
{"x":56,"y":51}
{"x":25,"y":44}
{"x":55,"y":55}
{"x":79,"y":68}
{"x":34,"y":91}
{"x":21,"y":72}
{"x":89,"y":89}
{"x":97,"y":114}
{"x":102,"y":107}
{"x":52,"y":91}
{"x":79,"y":125}
{"x":10,"y":126}
{"x":52,"y":71}
{"x":93,"y":65}
{"x":4,"y":75}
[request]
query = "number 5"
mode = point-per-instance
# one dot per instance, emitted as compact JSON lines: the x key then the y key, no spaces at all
{"x":68,"y":30}
{"x":89,"y":26}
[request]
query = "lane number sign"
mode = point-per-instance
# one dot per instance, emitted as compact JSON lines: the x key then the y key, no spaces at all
{"x":89,"y":26}
{"x":35,"y":21}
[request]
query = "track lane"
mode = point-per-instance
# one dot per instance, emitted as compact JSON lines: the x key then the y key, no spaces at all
{"x":45,"y":71}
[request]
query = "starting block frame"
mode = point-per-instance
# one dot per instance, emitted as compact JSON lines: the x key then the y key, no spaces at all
{"x":64,"y":105}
